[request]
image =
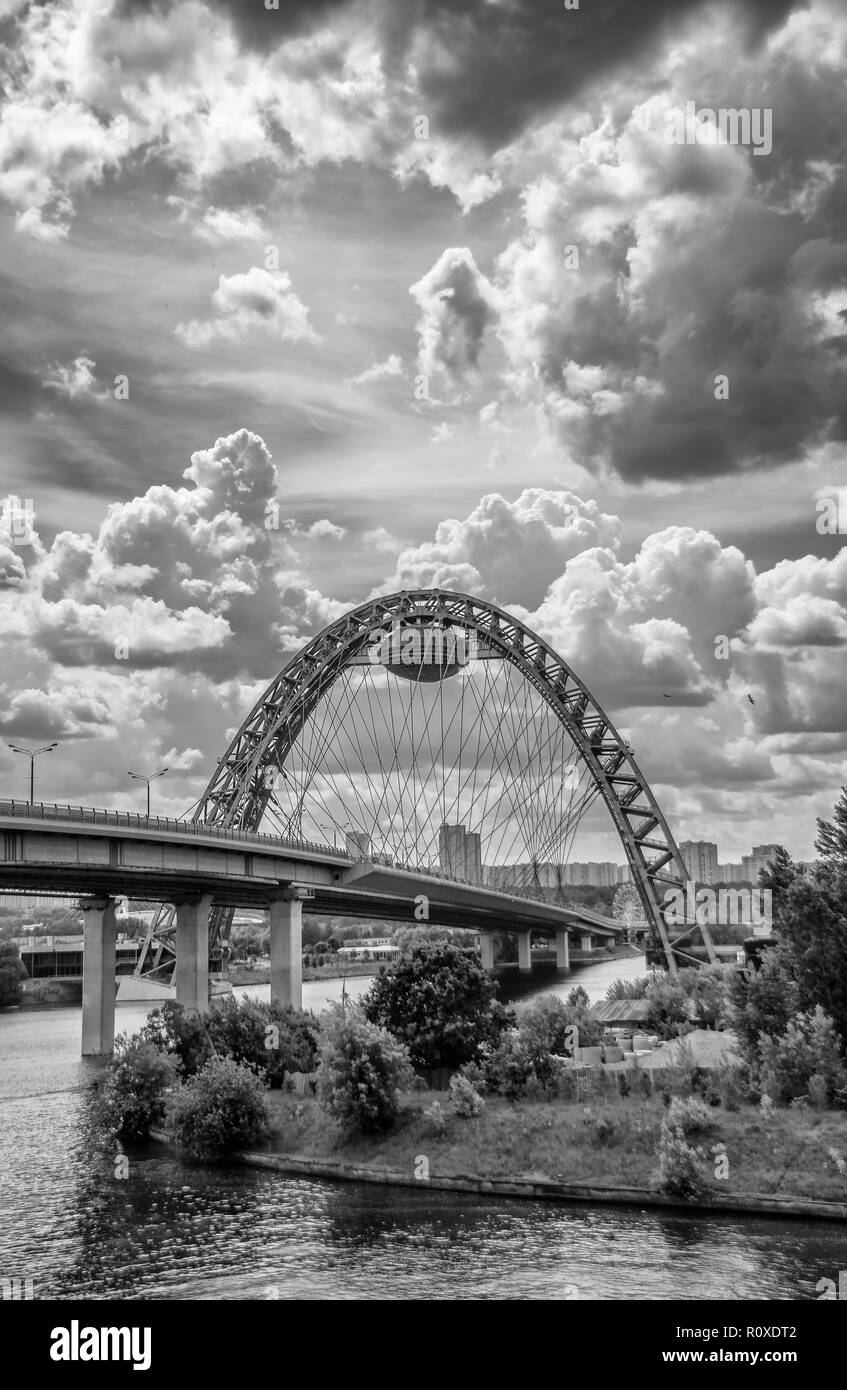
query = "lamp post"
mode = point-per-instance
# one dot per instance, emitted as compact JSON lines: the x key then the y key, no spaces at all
{"x":142,"y":777}
{"x":32,"y":754}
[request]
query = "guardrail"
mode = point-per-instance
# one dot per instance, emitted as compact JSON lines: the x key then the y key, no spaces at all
{"x":89,"y":815}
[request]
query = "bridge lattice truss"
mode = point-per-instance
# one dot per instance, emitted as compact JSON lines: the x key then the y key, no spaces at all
{"x":517,"y":746}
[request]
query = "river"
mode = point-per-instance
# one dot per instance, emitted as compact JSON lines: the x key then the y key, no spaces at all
{"x":169,"y":1232}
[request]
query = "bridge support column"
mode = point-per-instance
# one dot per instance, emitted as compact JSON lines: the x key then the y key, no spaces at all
{"x":286,"y":923}
{"x":192,"y":954}
{"x":586,"y":941}
{"x":524,"y":956}
{"x":99,"y":984}
{"x":486,"y":950}
{"x":563,"y":958}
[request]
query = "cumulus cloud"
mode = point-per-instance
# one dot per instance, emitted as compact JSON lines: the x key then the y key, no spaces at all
{"x":457,"y":303}
{"x":183,"y":578}
{"x":325,"y":530}
{"x":647,"y":272}
{"x":259,"y":298}
{"x":502,"y":549}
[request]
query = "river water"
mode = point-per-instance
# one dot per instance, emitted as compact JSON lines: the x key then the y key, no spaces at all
{"x":169,"y":1232}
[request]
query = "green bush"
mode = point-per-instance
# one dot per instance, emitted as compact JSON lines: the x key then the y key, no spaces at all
{"x":440,"y":1003}
{"x":690,"y":1115}
{"x":217,"y":1112}
{"x":131,"y":1098}
{"x":362,"y":1070}
{"x":270,"y":1037}
{"x":509,"y":1067}
{"x":808,"y":1047}
{"x":680,"y":1173}
{"x":12,"y":973}
{"x":465,"y":1098}
{"x":182,"y":1032}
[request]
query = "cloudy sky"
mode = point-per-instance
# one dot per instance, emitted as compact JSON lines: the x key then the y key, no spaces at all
{"x":427,"y":284}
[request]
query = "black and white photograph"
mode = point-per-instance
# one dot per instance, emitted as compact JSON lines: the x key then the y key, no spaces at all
{"x":423,"y":615}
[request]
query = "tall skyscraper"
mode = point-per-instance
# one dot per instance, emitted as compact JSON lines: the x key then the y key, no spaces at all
{"x":460,"y":852}
{"x":700,"y":858}
{"x":358,"y":843}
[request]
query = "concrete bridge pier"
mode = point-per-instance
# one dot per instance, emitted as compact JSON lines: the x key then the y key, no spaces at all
{"x":563,"y":957}
{"x":486,"y":950}
{"x":98,"y":977}
{"x":524,"y":953}
{"x":286,"y":924}
{"x":192,"y":953}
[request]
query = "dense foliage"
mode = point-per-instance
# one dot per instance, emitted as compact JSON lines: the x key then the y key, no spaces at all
{"x":362,"y":1069}
{"x":134,"y":1089}
{"x":439,"y":1002}
{"x":12,"y":972}
{"x":217,"y":1112}
{"x":272,"y":1038}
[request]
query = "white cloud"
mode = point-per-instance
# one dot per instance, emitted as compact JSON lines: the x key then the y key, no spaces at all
{"x":258,"y":298}
{"x":457,"y":304}
{"x":392,"y":366}
{"x":73,"y":379}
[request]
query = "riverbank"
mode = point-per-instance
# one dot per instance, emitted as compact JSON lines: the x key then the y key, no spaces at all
{"x":260,"y":973}
{"x":785,"y":1163}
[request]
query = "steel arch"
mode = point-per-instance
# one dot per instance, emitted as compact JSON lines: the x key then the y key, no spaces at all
{"x":238,"y":792}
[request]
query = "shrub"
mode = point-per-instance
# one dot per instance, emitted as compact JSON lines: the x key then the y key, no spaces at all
{"x":762,"y":1001}
{"x":218,"y":1111}
{"x":272,"y":1037}
{"x":440,"y":1003}
{"x":628,"y":989}
{"x":12,"y":973}
{"x":549,"y":1027}
{"x":509,"y":1066}
{"x":132,"y":1096}
{"x":809,"y":1046}
{"x":605,"y":1129}
{"x":362,"y":1069}
{"x":690,"y":1115}
{"x":182,"y":1032}
{"x":464,"y":1097}
{"x":679,"y":1167}
{"x":437,"y":1119}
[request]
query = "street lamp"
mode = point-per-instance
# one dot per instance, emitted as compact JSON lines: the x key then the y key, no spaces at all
{"x":32,"y":754}
{"x":321,"y":826}
{"x":142,"y":777}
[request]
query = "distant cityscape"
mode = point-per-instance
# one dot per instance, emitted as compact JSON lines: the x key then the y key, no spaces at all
{"x":460,"y":855}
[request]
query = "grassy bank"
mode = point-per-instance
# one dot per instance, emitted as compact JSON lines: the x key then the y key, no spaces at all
{"x":609,"y":1145}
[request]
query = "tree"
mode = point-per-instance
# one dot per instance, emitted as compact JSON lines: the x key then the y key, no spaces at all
{"x":628,"y":989}
{"x":440,"y":1002}
{"x":831,"y":842}
{"x":812,"y":930}
{"x":12,"y":972}
{"x":362,"y":1070}
{"x":808,"y":1048}
{"x":762,"y":1002}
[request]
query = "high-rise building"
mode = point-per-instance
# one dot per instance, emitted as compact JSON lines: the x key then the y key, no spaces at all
{"x":358,"y":844}
{"x":760,"y":858}
{"x":700,"y":858}
{"x":460,"y":853}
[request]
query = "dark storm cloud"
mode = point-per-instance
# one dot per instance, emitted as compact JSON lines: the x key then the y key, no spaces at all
{"x":488,"y":69}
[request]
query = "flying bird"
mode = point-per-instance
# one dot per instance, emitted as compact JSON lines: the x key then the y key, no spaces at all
{"x":750,"y":698}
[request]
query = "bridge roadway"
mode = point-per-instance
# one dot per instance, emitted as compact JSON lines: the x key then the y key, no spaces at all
{"x":102,"y":855}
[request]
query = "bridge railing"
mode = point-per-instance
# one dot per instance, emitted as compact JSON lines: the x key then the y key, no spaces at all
{"x":89,"y":815}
